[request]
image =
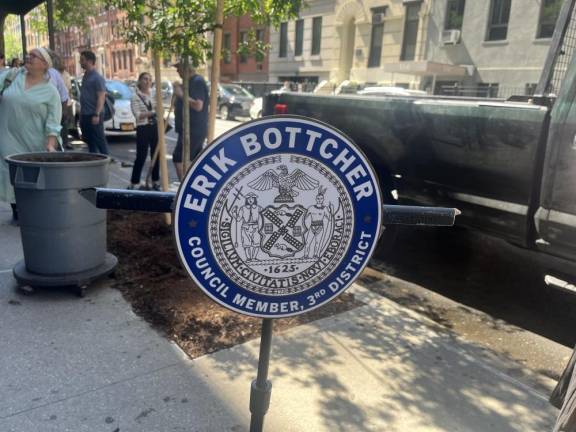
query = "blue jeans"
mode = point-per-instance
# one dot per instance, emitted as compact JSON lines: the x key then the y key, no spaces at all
{"x":93,"y":135}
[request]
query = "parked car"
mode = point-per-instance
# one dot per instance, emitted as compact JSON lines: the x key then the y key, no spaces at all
{"x":123,"y":122}
{"x":131,"y":83}
{"x":256,"y":108}
{"x":233,"y":101}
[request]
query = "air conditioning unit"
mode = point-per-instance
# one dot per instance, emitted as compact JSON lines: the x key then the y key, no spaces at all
{"x":378,"y":18}
{"x":450,"y":37}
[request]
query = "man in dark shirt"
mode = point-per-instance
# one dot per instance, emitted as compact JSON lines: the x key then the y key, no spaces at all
{"x":92,"y":97}
{"x":198,"y":102}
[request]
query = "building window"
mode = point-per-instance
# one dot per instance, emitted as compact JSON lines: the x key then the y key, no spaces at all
{"x":454,"y":15}
{"x":299,"y":42}
{"x":124,"y":58}
{"x":549,"y":11}
{"x":499,"y":17}
{"x":283,"y":50}
{"x":227,"y":45}
{"x":376,"y":37}
{"x":410,"y":31}
{"x":131,"y":61}
{"x":316,"y":35}
{"x":114,"y":64}
{"x":242,"y":41}
{"x":260,"y":35}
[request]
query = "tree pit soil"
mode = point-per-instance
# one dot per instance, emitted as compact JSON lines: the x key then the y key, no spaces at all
{"x":151,"y":278}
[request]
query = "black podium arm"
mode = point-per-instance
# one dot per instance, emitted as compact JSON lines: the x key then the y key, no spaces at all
{"x":163,"y":202}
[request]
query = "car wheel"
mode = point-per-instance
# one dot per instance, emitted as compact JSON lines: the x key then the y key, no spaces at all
{"x":226,"y":113}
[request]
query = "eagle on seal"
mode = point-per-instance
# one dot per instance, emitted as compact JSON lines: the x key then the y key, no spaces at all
{"x":285,"y":182}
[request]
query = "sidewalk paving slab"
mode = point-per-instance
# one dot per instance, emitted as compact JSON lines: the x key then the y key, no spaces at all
{"x":381,"y":367}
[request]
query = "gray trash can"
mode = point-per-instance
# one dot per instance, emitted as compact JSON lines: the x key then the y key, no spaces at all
{"x":63,"y":235}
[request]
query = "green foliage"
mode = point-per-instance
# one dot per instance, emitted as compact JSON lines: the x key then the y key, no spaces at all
{"x":181,"y":26}
{"x":67,"y":13}
{"x":12,"y":47}
{"x":253,"y":45}
{"x":73,"y":13}
{"x":551,"y":10}
{"x":38,"y":19}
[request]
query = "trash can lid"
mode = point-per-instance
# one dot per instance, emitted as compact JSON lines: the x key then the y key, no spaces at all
{"x":54,"y":159}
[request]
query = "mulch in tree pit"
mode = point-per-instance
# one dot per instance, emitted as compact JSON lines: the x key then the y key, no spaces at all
{"x":151,"y":278}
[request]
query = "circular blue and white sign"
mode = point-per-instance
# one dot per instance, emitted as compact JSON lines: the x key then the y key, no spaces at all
{"x":278,"y":216}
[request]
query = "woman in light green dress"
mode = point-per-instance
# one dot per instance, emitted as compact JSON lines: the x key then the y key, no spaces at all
{"x":30,"y":114}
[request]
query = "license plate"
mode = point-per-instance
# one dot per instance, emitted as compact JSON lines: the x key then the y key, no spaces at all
{"x":126,"y":126}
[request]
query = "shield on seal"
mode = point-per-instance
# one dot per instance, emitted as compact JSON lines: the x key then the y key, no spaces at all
{"x":282,"y":230}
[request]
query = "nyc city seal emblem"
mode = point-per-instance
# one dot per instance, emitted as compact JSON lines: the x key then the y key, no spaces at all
{"x":278,"y":216}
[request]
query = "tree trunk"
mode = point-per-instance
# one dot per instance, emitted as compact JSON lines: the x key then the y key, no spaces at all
{"x":215,"y":69}
{"x":161,"y":130}
{"x":186,"y":117}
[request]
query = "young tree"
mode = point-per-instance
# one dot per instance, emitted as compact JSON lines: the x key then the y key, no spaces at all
{"x":182,"y":27}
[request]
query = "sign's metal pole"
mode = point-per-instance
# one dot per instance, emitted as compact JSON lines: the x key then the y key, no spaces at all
{"x":261,"y":388}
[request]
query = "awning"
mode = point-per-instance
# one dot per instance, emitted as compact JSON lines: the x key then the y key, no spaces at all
{"x":426,"y":68}
{"x":18,"y":7}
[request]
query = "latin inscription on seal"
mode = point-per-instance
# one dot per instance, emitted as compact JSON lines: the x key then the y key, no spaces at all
{"x":281,"y":224}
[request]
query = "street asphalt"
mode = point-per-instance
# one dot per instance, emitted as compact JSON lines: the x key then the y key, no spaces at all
{"x":90,"y":364}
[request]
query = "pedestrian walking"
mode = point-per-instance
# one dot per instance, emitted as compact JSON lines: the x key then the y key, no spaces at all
{"x":30,"y":113}
{"x":92,"y":100}
{"x":198,"y":105}
{"x":144,"y":109}
{"x":2,"y":61}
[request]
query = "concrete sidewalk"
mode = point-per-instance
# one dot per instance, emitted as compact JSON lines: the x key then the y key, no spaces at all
{"x":71,"y":364}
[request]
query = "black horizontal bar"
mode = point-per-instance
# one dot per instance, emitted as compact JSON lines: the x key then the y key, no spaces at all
{"x":162,"y":202}
{"x":416,"y":215}
{"x":123,"y":199}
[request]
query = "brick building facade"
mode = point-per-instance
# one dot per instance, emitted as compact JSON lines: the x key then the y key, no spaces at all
{"x":115,"y":59}
{"x":236,"y":67}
